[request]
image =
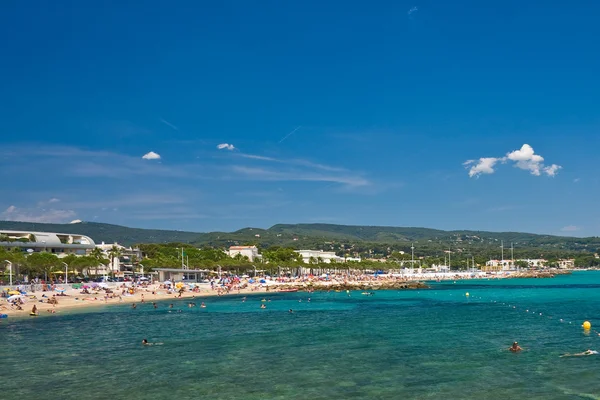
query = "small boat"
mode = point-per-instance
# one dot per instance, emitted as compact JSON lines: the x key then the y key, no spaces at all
{"x":288,"y":290}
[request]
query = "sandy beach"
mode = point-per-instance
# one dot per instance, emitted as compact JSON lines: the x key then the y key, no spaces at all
{"x":73,"y":298}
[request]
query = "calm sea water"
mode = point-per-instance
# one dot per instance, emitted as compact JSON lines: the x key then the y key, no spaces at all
{"x":426,"y":344}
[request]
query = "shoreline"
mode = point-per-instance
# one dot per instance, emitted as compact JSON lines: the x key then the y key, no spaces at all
{"x":74,"y":299}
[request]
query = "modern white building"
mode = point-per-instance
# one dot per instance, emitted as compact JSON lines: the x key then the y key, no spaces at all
{"x":61,"y":244}
{"x":249,"y":251}
{"x":316,"y":256}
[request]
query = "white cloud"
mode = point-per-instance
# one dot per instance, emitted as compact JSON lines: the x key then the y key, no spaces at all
{"x":552,"y":170}
{"x":569,"y":228}
{"x":524,"y":158}
{"x":484,"y":165}
{"x":412,"y":10}
{"x":576,"y":180}
{"x":13,"y":213}
{"x":527,"y":159}
{"x":225,"y":146}
{"x":54,"y":200}
{"x":151,"y":156}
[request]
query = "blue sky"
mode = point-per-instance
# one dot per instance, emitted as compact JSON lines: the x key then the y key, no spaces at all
{"x":403,"y":113}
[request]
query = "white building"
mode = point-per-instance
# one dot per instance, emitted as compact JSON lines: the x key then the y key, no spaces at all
{"x":249,"y":251}
{"x":535,"y":262}
{"x":439,"y":268}
{"x":510,"y":264}
{"x":61,"y":244}
{"x":124,"y":261}
{"x":566,"y":264}
{"x":317,"y":256}
{"x":500,"y":264}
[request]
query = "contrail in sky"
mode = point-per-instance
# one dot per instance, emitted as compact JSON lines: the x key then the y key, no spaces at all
{"x":288,"y":135}
{"x":169,"y":124}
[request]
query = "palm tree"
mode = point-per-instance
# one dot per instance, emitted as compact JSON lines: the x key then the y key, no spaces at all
{"x":114,"y":253}
{"x":99,"y":256}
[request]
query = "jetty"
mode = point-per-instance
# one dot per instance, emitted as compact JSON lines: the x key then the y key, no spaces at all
{"x":540,"y":274}
{"x":342,"y":286}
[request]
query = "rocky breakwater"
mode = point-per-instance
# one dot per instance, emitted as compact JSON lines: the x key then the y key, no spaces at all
{"x":366,"y":285}
{"x":540,"y":274}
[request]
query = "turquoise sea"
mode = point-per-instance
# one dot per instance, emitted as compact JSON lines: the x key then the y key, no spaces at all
{"x":425,"y":344}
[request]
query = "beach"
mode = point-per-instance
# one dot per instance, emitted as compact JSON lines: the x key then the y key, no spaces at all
{"x":68,"y":298}
{"x":73,"y":298}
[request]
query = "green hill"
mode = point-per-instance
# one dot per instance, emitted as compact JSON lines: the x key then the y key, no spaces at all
{"x":322,"y":236}
{"x":108,"y":233}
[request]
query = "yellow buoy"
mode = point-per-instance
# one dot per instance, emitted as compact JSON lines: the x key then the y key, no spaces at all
{"x":467,"y":294}
{"x":587,"y":325}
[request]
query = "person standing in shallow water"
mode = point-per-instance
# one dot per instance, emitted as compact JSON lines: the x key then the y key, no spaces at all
{"x":515,"y":347}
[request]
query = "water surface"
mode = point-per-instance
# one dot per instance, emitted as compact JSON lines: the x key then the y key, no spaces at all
{"x":421,"y":344}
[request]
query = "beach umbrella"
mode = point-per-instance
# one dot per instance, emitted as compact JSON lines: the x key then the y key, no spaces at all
{"x":167,"y":282}
{"x":59,"y":289}
{"x":14,"y":297}
{"x":14,"y":292}
{"x":262,"y":281}
{"x":94,"y":284}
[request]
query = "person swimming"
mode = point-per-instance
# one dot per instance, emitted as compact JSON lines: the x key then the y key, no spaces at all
{"x":146,"y":343}
{"x":588,"y":352}
{"x":515,"y":347}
